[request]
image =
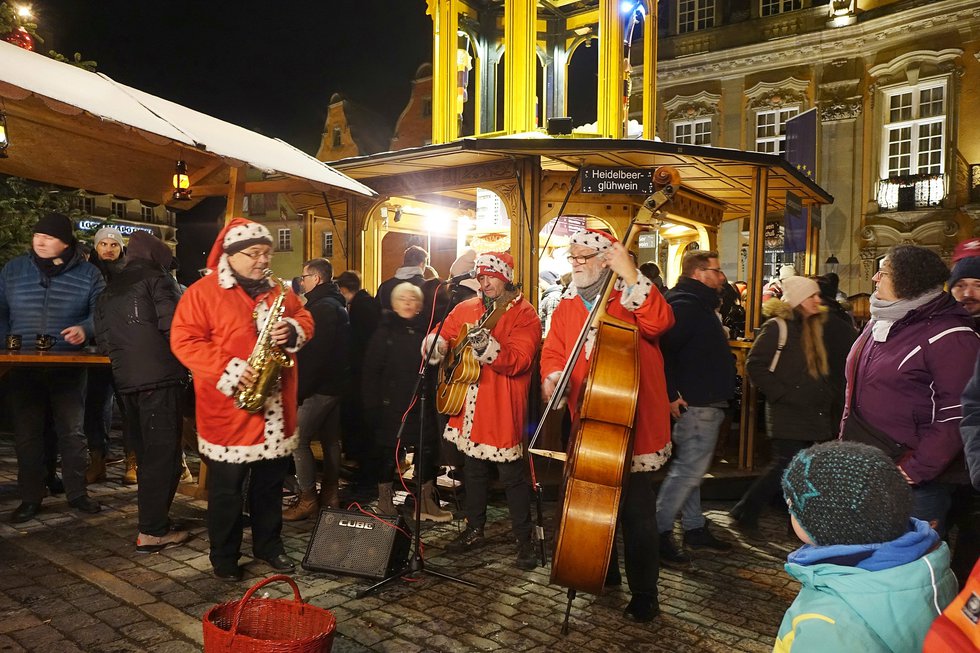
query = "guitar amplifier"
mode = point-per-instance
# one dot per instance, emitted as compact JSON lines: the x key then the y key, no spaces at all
{"x":355,"y":544}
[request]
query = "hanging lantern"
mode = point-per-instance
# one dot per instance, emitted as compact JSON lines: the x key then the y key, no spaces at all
{"x":21,"y":38}
{"x":182,"y":183}
{"x":3,"y":135}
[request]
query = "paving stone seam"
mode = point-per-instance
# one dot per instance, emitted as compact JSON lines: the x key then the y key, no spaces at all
{"x":166,"y":615}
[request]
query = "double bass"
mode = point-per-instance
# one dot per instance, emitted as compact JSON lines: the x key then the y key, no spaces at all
{"x":599,"y":452}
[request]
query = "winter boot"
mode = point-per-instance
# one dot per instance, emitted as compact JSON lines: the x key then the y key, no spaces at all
{"x":306,"y":507}
{"x":185,"y":472}
{"x":129,"y":478}
{"x":386,"y":500}
{"x":431,"y":510}
{"x":329,"y":497}
{"x":96,"y":468}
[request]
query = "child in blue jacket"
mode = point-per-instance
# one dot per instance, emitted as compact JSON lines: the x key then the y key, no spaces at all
{"x":873,"y":578}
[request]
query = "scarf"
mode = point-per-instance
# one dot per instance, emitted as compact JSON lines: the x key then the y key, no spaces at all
{"x":884,"y":314}
{"x":52,"y":267}
{"x":590,"y":292}
{"x":254,"y":287}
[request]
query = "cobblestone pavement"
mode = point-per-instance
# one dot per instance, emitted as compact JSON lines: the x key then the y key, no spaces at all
{"x":75,"y":583}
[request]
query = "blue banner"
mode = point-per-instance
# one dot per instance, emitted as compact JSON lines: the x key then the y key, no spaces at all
{"x":794,"y":225}
{"x":801,"y":142}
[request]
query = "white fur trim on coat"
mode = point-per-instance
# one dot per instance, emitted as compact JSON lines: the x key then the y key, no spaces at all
{"x":461,"y":437}
{"x":634,"y":296}
{"x":229,"y":379}
{"x":276,"y":444}
{"x":489,"y":354}
{"x":301,"y":336}
{"x":438,"y":352}
{"x":651,"y":462}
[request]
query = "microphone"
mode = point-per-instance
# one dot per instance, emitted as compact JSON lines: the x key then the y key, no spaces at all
{"x":459,"y":278}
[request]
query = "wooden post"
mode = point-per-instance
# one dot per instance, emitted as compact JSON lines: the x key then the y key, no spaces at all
{"x":234,"y":207}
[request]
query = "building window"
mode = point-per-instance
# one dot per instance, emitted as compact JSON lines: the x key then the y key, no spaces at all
{"x":913,"y":146}
{"x":119,"y":209}
{"x":256,"y":204}
{"x":146,"y":213}
{"x":694,"y":15}
{"x":427,"y":107}
{"x":770,"y":129}
{"x":87,"y":205}
{"x":285,"y":240}
{"x":692,"y":132}
{"x":171,"y":217}
{"x":773,"y":7}
{"x":915,"y":127}
{"x":327,"y":248}
{"x":336,"y":137}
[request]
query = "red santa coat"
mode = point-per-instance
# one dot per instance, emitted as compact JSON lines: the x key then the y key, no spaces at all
{"x":645,"y":307}
{"x":213,"y":334}
{"x":491,"y":424}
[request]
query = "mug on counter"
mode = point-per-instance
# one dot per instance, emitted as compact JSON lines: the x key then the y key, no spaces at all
{"x":14,"y":341}
{"x":43,"y":342}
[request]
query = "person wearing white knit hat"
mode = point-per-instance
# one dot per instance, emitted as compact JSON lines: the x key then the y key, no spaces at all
{"x":797,"y":362}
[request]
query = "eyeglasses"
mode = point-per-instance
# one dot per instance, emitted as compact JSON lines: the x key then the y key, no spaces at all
{"x":303,"y":276}
{"x":580,"y":260}
{"x":255,"y":256}
{"x":882,"y":273}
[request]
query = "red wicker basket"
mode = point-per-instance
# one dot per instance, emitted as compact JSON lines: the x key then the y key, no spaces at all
{"x":268,"y":625}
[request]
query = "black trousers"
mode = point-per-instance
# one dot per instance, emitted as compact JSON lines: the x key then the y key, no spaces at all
{"x":98,"y":409}
{"x":769,"y":484}
{"x":153,"y":426}
{"x":517,"y":487}
{"x":641,"y":543}
{"x":226,"y":494}
{"x":31,"y":393}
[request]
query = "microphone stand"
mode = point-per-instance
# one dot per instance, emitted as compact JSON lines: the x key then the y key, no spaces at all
{"x":416,"y":563}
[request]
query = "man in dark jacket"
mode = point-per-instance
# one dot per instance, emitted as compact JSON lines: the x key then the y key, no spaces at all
{"x":700,"y":371}
{"x":324,"y":372}
{"x":49,"y":291}
{"x":365,"y":315}
{"x":413,"y":265}
{"x":132,"y":321}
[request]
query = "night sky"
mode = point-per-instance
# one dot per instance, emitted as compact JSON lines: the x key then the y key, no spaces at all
{"x":270,"y":67}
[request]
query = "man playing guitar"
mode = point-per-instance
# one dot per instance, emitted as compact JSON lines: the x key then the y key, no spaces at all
{"x":489,"y":427}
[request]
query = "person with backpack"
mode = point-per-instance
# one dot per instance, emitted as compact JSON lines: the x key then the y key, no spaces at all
{"x":797,"y":362}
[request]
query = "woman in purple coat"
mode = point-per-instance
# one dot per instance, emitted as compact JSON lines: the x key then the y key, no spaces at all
{"x":905,"y":375}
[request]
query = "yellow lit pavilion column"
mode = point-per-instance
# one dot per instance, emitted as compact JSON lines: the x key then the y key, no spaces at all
{"x":520,"y":68}
{"x":610,"y":110}
{"x":650,"y":71}
{"x":445,"y":24}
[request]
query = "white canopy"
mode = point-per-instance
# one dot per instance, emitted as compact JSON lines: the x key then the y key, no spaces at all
{"x":23,"y":73}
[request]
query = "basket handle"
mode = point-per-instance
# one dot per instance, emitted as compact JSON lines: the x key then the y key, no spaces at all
{"x":259,"y":585}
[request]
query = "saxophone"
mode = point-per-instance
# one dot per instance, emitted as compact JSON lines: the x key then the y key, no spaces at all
{"x":267,"y":358}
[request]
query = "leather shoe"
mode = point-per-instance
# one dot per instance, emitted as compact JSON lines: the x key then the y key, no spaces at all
{"x":24,"y":512}
{"x":232,"y":575}
{"x":642,"y":608}
{"x":280,"y":562}
{"x":86,"y":504}
{"x":469,"y":539}
{"x":55,"y":485}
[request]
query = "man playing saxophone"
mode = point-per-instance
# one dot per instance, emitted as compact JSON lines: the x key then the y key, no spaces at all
{"x":222,"y":333}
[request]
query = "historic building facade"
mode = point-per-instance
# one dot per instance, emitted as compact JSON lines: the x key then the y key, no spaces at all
{"x":893,"y":84}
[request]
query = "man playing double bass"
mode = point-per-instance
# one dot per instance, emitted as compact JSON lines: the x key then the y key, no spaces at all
{"x":489,"y":428}
{"x":635,"y":300}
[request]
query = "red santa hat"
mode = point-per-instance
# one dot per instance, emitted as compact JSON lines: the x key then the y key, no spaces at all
{"x":236,"y":236}
{"x":966,"y":249}
{"x":597,"y":240}
{"x":496,"y":264}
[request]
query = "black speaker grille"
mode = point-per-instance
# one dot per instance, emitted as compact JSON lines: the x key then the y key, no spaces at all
{"x":354,"y":544}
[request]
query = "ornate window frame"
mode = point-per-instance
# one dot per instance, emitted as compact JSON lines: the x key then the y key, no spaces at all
{"x":693,"y":110}
{"x":781,"y":98}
